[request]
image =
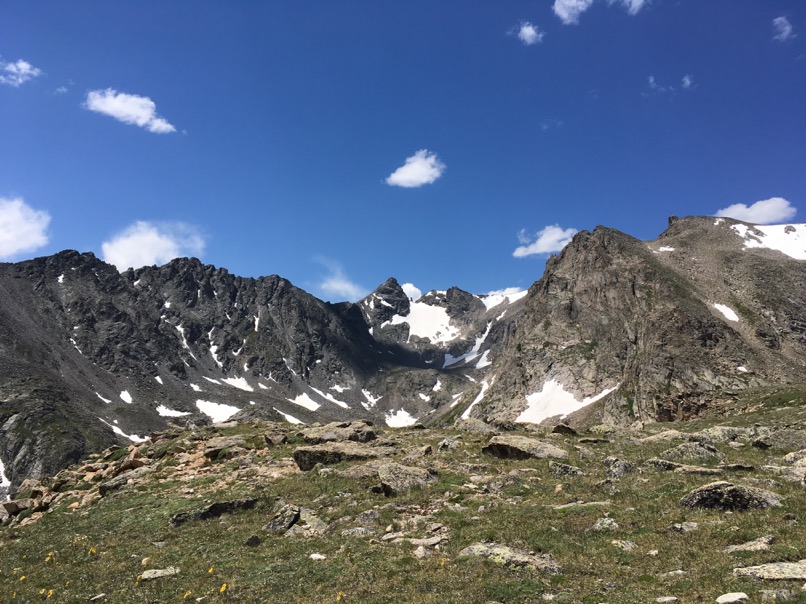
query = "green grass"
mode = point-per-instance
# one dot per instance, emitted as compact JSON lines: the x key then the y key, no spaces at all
{"x":101,"y":548}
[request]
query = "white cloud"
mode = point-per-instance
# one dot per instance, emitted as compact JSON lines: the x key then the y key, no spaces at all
{"x":411,"y":291}
{"x":657,"y":88}
{"x":687,"y":82}
{"x":632,"y":6}
{"x":146,"y":243}
{"x":17,"y":73}
{"x":422,"y":168}
{"x":529,"y":34}
{"x":338,"y":284}
{"x":551,"y":238}
{"x":783,"y":29}
{"x":128,"y":108}
{"x":22,"y":229}
{"x":768,"y":211}
{"x":569,"y":10}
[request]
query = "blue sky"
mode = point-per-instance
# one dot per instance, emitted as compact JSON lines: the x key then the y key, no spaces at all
{"x":443,"y":143}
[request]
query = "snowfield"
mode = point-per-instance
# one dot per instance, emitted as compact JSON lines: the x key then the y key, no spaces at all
{"x":789,"y":239}
{"x":553,"y":400}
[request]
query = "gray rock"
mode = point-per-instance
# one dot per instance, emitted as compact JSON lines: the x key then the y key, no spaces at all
{"x":562,"y":469}
{"x":358,"y":431}
{"x":683,"y":527}
{"x":396,"y":478}
{"x":784,"y":571}
{"x":510,"y":446}
{"x":511,"y":557}
{"x":471,"y":424}
{"x":627,"y":546}
{"x":617,"y":468}
{"x":727,"y":496}
{"x":757,"y":545}
{"x":214,"y":510}
{"x":215,"y":446}
{"x":307,"y":525}
{"x":283,"y":520}
{"x":605,"y":524}
{"x":336,"y":452}
{"x":159,"y":573}
{"x":693,"y":450}
{"x":564,"y":429}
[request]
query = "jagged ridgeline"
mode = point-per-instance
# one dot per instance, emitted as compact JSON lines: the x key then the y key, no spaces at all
{"x":616,"y":330}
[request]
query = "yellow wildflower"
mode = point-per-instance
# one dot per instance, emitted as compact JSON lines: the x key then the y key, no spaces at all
{"x":42,"y":592}
{"x":211,"y":569}
{"x":50,"y":593}
{"x":49,"y":557}
{"x":223,"y":588}
{"x":91,"y":551}
{"x":187,"y":595}
{"x":22,"y":578}
{"x":340,"y":596}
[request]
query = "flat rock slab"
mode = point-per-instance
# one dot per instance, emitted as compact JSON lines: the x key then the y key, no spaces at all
{"x":757,"y":545}
{"x":511,"y":557}
{"x":159,"y":573}
{"x":723,"y":495}
{"x":776,"y":571}
{"x":214,"y":446}
{"x":510,"y":446}
{"x":358,"y":431}
{"x":214,"y":510}
{"x":396,"y":478}
{"x":736,"y":596}
{"x":336,"y":452}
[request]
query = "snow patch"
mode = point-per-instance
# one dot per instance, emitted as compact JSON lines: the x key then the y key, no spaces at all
{"x":338,"y":388}
{"x":484,"y":361}
{"x":5,"y":483}
{"x":262,"y":387}
{"x":553,"y":400}
{"x":329,"y":397}
{"x":371,"y":400}
{"x":437,"y":387}
{"x":508,"y":295}
{"x":789,"y":239}
{"x":471,"y":354}
{"x":211,"y":380}
{"x":195,"y":388}
{"x":239,"y":383}
{"x":167,"y":412}
{"x":61,"y":279}
{"x":304,"y":400}
{"x":727,"y":311}
{"x":742,"y":368}
{"x":218,"y":412}
{"x":289,"y":418}
{"x":73,"y":342}
{"x":426,"y":321}
{"x":424,"y":397}
{"x":400,"y":419}
{"x":106,"y":400}
{"x":213,"y":351}
{"x":665,"y":248}
{"x":132,"y":437}
{"x":126,"y":397}
{"x":159,"y":379}
{"x":484,"y":387}
{"x":718,"y":221}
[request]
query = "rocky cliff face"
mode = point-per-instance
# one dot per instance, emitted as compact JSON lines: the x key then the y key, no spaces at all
{"x":617,"y":329}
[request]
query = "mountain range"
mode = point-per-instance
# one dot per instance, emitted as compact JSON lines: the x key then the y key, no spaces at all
{"x":617,"y":330}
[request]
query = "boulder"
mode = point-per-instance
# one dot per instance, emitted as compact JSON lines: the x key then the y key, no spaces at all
{"x":617,"y":468}
{"x":214,"y":446}
{"x":330,"y":453}
{"x":283,"y":520}
{"x":471,"y":424}
{"x":396,"y":478}
{"x":511,"y":557}
{"x":510,"y":446}
{"x":783,"y":571}
{"x":727,"y":496}
{"x":159,"y":573}
{"x":359,"y":431}
{"x":562,"y":469}
{"x":214,"y":510}
{"x":693,"y":450}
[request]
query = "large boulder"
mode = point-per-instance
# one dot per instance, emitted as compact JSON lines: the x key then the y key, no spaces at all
{"x":359,"y":431}
{"x":335,"y":452}
{"x":728,"y":496}
{"x":510,"y":446}
{"x":396,"y":478}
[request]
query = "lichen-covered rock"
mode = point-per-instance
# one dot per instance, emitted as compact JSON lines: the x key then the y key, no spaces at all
{"x":511,"y":446}
{"x":727,"y":496}
{"x":335,"y":452}
{"x":693,"y":450}
{"x":358,"y":431}
{"x":783,"y":571}
{"x":396,"y":478}
{"x":511,"y":557}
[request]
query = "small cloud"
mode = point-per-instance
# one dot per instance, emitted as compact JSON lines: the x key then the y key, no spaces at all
{"x":550,"y":123}
{"x":411,"y":291}
{"x":654,"y":88}
{"x":128,"y":108}
{"x":338,"y":284}
{"x":146,"y":243}
{"x":17,"y":73}
{"x":769,"y":211}
{"x":632,"y":6}
{"x":569,"y":10}
{"x":60,"y":90}
{"x":550,"y":239}
{"x":422,"y":168}
{"x":687,"y":82}
{"x":529,"y":34}
{"x":783,"y":30}
{"x":22,"y":229}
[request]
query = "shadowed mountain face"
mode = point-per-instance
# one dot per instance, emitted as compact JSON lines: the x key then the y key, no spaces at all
{"x":640,"y":330}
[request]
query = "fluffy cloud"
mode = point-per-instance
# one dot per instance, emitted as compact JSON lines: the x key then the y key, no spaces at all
{"x":338,"y":284}
{"x":420,"y":169}
{"x":550,"y":239}
{"x":146,"y":243}
{"x":687,"y":82}
{"x":22,"y":229}
{"x":411,"y":291}
{"x":783,"y":29}
{"x":569,"y":10}
{"x":128,"y":108}
{"x":768,"y":211}
{"x":19,"y":72}
{"x":529,"y":34}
